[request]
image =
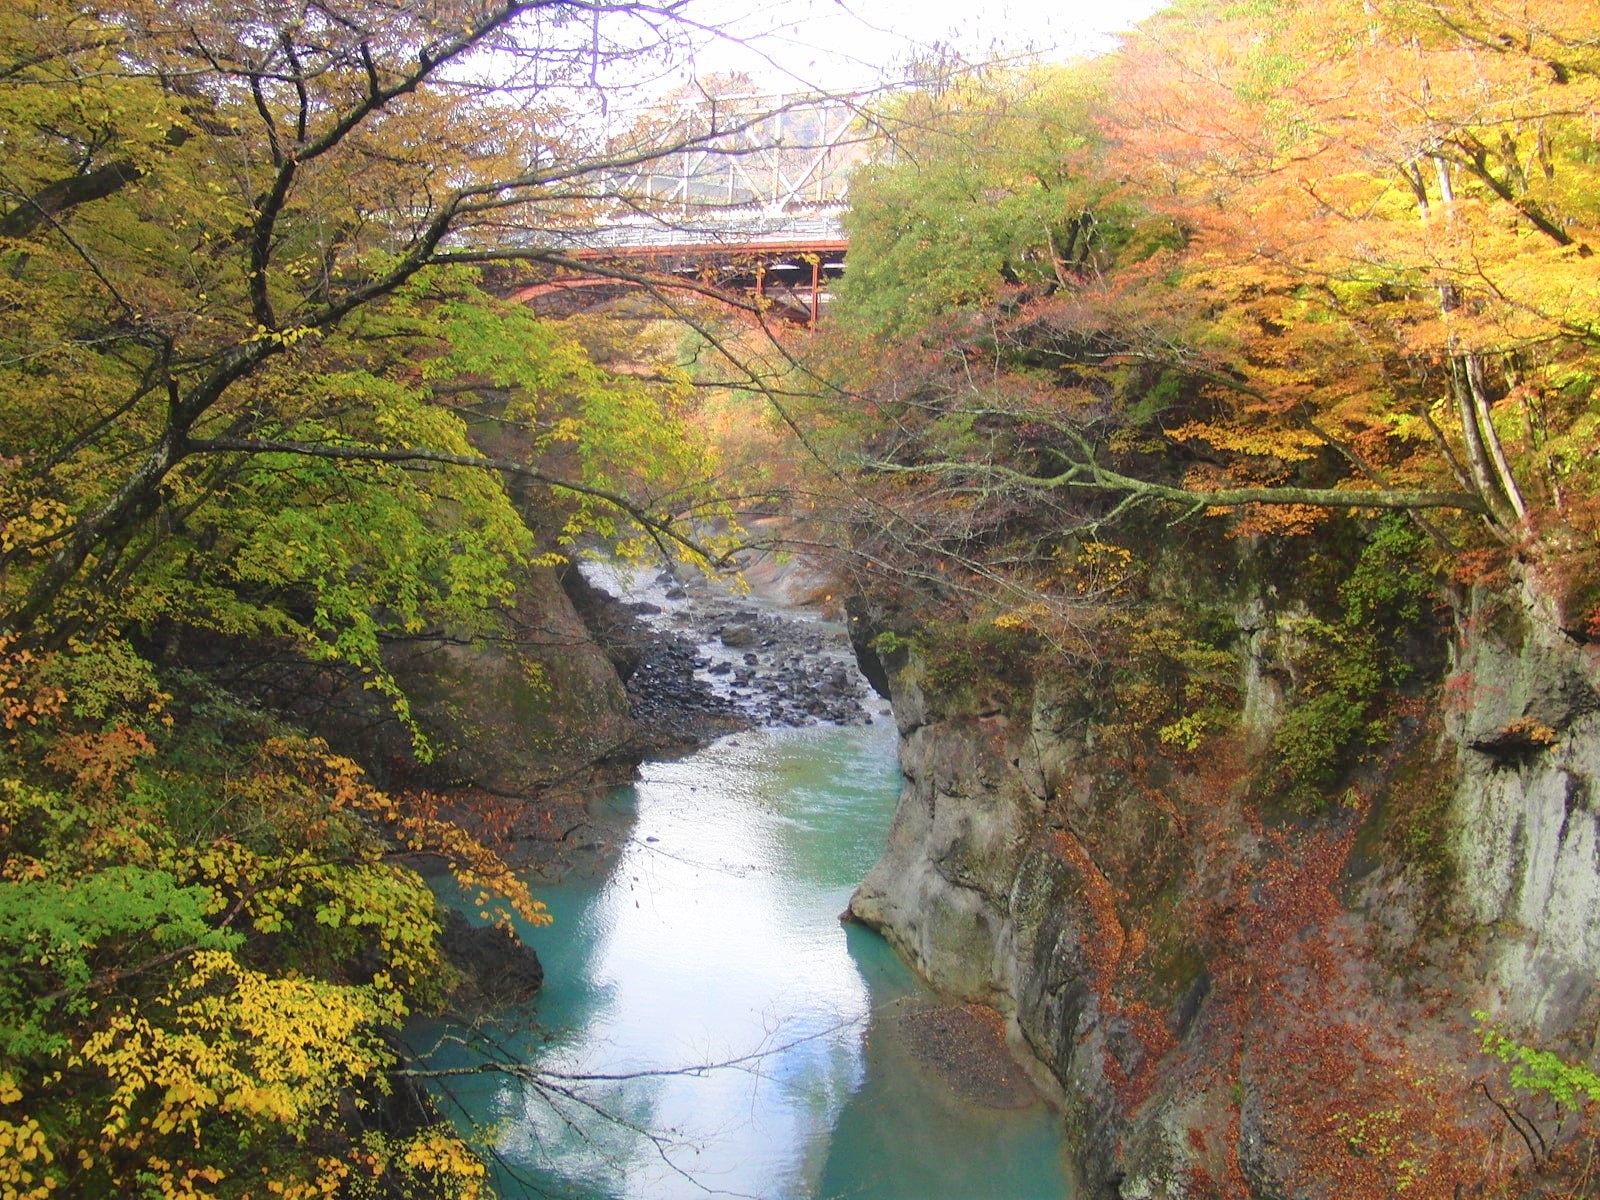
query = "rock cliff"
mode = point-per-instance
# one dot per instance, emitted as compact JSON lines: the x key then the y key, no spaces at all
{"x":1242,"y":996}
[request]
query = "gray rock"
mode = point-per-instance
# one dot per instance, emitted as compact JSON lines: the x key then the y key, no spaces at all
{"x":737,"y":634}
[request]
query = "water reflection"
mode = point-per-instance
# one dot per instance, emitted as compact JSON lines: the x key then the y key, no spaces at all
{"x":710,"y":973}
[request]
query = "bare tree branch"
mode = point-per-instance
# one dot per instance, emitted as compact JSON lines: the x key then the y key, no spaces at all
{"x":660,"y":525}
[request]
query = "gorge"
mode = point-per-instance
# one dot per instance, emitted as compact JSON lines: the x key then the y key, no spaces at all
{"x":1200,"y":440}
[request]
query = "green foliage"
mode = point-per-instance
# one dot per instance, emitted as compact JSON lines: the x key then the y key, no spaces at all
{"x":988,"y":188}
{"x":890,"y":642}
{"x":255,"y":397}
{"x":205,"y":392}
{"x":1346,"y":664}
{"x":1416,"y":819}
{"x":1176,"y":677}
{"x":204,"y":936}
{"x":1390,"y":582}
{"x":1545,"y":1074}
{"x":54,"y":931}
{"x":957,"y":659}
{"x":1311,"y":742}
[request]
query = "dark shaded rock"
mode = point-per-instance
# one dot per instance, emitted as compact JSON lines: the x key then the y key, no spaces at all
{"x":1514,"y":744}
{"x":498,"y":969}
{"x":398,"y":1110}
{"x":864,"y":629}
{"x":476,"y":701}
{"x":610,"y":622}
{"x":671,"y":707}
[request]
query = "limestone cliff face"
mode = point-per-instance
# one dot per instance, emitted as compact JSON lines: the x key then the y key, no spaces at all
{"x":1236,"y":1001}
{"x":1526,"y":821}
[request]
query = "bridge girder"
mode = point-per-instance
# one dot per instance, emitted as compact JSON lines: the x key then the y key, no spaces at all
{"x":753,"y":210}
{"x":789,"y":281}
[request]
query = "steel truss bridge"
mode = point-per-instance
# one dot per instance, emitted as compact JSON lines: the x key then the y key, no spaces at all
{"x":750,"y":206}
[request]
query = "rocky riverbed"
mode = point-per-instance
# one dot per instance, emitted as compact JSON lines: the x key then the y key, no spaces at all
{"x":963,"y":1047}
{"x":701,"y":658}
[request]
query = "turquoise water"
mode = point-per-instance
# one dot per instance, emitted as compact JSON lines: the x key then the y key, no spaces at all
{"x":706,"y":1025}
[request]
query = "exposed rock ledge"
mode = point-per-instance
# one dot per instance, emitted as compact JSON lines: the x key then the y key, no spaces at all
{"x":1223,"y":999}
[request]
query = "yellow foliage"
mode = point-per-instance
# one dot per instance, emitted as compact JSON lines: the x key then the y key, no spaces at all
{"x":1289,"y":445}
{"x":227,"y":1039}
{"x":24,"y":1153}
{"x":33,"y":522}
{"x":1098,"y":569}
{"x":328,"y":1181}
{"x":473,"y":864}
{"x":1021,"y":618}
{"x":433,"y":1163}
{"x":435,"y":1151}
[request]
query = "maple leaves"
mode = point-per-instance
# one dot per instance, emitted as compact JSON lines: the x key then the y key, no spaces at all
{"x":1390,"y":204}
{"x":1352,"y":239}
{"x":1341,"y":264}
{"x":199,"y":954}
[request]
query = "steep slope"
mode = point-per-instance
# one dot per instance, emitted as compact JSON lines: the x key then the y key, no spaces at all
{"x":1241,"y":994}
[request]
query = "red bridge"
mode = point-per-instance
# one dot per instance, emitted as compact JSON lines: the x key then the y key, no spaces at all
{"x":754,"y":212}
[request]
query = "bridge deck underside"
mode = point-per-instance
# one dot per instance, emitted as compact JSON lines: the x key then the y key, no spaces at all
{"x":788,"y":281}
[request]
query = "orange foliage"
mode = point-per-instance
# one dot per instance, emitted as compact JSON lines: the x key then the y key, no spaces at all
{"x":1112,"y":950}
{"x":1364,"y":1109}
{"x":411,"y":823}
{"x":1372,"y":192}
{"x":22,"y":700}
{"x":99,"y":760}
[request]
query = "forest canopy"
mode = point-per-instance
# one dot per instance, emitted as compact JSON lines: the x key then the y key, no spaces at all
{"x":1266,"y":262}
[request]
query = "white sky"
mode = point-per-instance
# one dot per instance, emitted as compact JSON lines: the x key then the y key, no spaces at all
{"x":840,"y":44}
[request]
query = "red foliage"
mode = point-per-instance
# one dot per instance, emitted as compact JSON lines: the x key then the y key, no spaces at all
{"x":1360,"y":1094}
{"x":1359,"y":1102}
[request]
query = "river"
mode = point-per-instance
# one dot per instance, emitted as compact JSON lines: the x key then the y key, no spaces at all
{"x":708,"y":968}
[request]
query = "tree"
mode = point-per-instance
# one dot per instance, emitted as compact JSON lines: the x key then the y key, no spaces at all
{"x":1402,"y":189}
{"x":1342,"y":265}
{"x":253,"y":382}
{"x":225,"y":239}
{"x":990,"y":186}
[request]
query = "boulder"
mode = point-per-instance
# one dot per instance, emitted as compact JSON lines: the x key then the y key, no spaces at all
{"x":497,"y":968}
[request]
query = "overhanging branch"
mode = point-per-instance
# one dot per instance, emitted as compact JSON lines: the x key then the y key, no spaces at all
{"x":1091,"y":477}
{"x":657,"y":525}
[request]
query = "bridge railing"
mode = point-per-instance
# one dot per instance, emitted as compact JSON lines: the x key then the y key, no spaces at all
{"x":779,"y":152}
{"x":742,"y":170}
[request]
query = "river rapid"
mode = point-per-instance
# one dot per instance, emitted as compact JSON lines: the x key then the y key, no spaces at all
{"x":708,"y":1026}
